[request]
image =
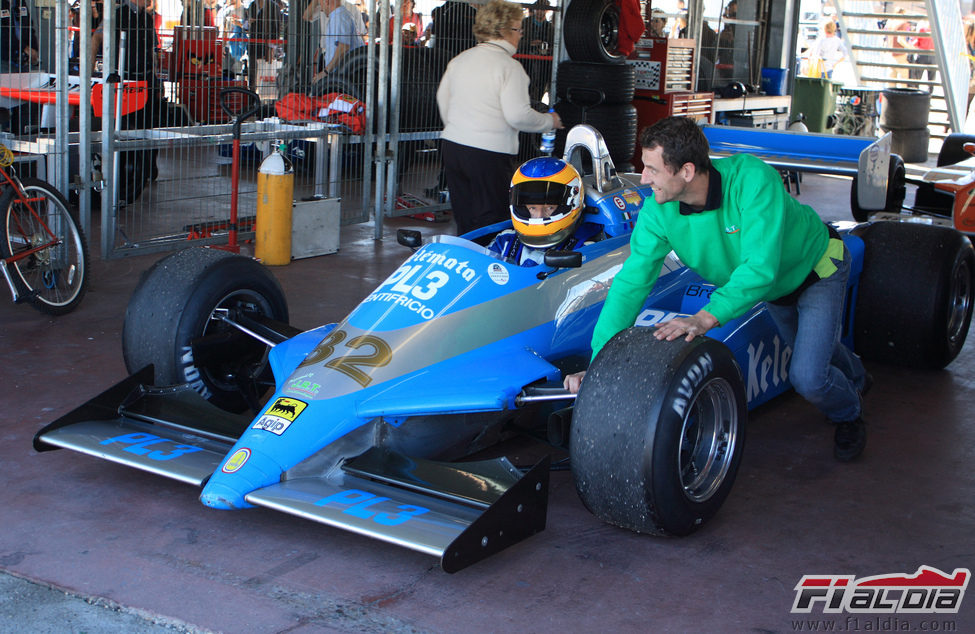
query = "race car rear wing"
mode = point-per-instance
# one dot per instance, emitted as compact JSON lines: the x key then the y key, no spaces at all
{"x":864,"y":157}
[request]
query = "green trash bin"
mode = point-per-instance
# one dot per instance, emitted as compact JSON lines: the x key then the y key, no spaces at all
{"x":816,"y":99}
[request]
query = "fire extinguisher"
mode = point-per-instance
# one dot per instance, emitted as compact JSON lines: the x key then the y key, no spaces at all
{"x":275,"y":197}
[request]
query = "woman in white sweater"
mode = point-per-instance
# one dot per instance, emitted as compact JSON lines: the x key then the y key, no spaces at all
{"x":484,"y":103}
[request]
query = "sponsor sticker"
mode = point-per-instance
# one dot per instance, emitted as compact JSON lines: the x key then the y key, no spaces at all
{"x":497,"y":273}
{"x":280,"y":415}
{"x":619,"y":202}
{"x":236,"y":461}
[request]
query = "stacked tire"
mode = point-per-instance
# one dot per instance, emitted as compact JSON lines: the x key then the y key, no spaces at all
{"x":904,"y":113}
{"x":596,"y":86}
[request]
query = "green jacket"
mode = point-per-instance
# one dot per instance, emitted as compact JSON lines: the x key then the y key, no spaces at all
{"x":759,"y":244}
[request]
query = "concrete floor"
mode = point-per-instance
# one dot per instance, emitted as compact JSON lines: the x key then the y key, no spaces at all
{"x":145,"y":546}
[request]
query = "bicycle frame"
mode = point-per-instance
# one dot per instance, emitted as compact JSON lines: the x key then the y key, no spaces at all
{"x":14,"y":182}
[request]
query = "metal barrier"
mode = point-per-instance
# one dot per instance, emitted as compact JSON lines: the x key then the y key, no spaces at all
{"x":161,"y":174}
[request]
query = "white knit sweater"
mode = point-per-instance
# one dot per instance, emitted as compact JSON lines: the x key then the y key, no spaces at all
{"x":483,"y":99}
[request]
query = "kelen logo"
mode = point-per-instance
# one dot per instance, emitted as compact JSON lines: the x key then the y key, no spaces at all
{"x":927,"y":591}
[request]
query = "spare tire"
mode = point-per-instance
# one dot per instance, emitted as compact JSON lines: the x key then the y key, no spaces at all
{"x":905,"y":109}
{"x":616,"y":81}
{"x":616,"y":122}
{"x":591,"y":31}
{"x":911,"y":145}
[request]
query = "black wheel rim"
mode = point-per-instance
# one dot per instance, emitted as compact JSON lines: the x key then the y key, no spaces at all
{"x":222,"y":371}
{"x":961,"y":302}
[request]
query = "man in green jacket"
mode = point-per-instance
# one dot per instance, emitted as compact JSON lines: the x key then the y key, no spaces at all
{"x":732,"y":222}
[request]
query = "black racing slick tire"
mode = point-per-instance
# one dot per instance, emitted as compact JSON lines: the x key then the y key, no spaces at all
{"x":896,"y":191}
{"x":170,"y":322}
{"x":658,"y":431}
{"x":616,"y":81}
{"x":591,"y":31}
{"x":917,"y":289}
{"x":905,"y":109}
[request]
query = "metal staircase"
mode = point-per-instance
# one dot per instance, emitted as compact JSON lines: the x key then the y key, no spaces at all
{"x":867,"y":34}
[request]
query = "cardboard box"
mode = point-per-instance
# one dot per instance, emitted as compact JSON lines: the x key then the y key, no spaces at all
{"x":315,"y":227}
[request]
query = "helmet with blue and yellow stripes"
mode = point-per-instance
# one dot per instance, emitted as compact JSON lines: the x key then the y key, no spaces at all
{"x":546,"y":201}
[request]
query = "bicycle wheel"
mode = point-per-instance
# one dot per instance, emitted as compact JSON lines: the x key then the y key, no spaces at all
{"x":54,"y":278}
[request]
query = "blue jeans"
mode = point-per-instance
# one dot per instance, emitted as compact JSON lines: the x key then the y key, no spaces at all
{"x":823,"y":370}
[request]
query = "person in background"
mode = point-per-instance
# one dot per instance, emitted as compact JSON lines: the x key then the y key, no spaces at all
{"x":631,"y":27}
{"x":483,"y":101}
{"x":338,"y":34}
{"x":537,"y":38}
{"x":925,"y":53}
{"x":411,"y":24}
{"x":731,"y":221}
{"x":657,"y":24}
{"x":902,"y":43}
{"x":19,"y":49}
{"x":266,"y":21}
{"x":453,"y":29}
{"x":828,"y":52}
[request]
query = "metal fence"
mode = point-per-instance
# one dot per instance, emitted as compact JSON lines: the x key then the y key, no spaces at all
{"x":155,"y":157}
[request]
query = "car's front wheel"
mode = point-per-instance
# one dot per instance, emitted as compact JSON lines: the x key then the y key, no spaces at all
{"x":658,"y":431}
{"x":172,"y":321}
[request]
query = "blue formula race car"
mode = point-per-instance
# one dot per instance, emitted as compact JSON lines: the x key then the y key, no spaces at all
{"x":365,"y":424}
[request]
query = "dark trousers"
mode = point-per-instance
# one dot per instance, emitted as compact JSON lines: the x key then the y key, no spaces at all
{"x":478,"y":182}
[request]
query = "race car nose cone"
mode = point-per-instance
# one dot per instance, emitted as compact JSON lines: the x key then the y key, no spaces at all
{"x":220,"y":496}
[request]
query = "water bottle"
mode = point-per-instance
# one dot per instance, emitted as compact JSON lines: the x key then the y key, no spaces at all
{"x":548,"y":140}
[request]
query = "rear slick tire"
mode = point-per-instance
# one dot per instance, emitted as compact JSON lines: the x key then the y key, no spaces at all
{"x":917,"y":289}
{"x":658,"y":431}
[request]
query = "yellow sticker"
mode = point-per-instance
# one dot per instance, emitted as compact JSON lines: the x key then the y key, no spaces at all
{"x":237,"y":460}
{"x":287,"y":408}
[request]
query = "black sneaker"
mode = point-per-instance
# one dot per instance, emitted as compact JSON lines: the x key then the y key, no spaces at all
{"x":849,"y":440}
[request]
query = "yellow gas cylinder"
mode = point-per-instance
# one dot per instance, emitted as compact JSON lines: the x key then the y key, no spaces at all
{"x":275,"y":197}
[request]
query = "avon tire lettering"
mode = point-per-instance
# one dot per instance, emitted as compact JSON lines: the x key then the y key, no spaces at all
{"x":191,"y":374}
{"x":360,"y":504}
{"x":690,"y":381}
{"x":150,"y":446}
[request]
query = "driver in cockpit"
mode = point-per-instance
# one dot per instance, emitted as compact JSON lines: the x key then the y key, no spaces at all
{"x":547,"y":199}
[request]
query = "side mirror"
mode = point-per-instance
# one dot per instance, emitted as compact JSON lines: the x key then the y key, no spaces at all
{"x":409,"y":238}
{"x":563,"y":259}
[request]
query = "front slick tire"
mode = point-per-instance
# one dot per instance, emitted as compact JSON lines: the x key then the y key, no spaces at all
{"x":658,"y":431}
{"x":169,"y":323}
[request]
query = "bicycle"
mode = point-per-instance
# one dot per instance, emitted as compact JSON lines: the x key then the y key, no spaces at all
{"x":43,"y":252}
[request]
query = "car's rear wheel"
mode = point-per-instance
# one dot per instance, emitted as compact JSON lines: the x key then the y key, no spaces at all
{"x":658,"y":431}
{"x":917,"y":290}
{"x":171,"y":322}
{"x":896,"y":191}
